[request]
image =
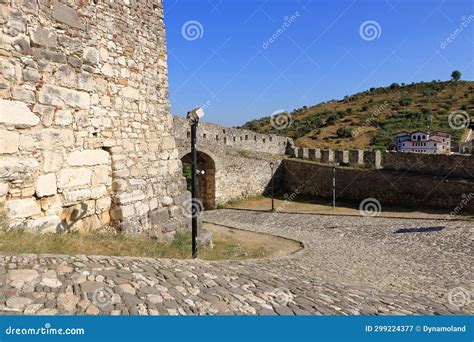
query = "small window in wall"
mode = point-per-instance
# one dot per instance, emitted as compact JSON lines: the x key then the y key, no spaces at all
{"x":264,"y":140}
{"x":271,"y":138}
{"x":241,"y":139}
{"x":225,"y":140}
{"x":246,"y":137}
{"x":204,"y":135}
{"x":233,"y":139}
{"x":223,"y":131}
{"x":255,"y":138}
{"x":217,"y":138}
{"x":188,"y":134}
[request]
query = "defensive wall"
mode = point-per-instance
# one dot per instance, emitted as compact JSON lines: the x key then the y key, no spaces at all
{"x":85,"y":132}
{"x":236,"y":162}
{"x":453,"y":166}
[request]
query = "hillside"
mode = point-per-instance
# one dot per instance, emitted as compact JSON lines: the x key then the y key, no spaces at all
{"x":371,"y":118}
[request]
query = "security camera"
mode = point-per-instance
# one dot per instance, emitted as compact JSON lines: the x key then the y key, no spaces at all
{"x":194,"y":115}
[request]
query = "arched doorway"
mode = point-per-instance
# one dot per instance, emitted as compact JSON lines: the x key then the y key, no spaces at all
{"x":206,"y":178}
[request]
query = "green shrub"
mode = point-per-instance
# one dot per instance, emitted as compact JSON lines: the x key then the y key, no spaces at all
{"x":406,"y":101}
{"x":394,"y":86}
{"x":344,"y":132}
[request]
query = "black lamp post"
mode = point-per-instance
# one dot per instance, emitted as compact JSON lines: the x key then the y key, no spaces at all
{"x":335,"y":164}
{"x":272,"y":167}
{"x":193,"y":118}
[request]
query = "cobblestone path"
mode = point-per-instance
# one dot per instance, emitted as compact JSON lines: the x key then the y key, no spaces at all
{"x":349,"y":266}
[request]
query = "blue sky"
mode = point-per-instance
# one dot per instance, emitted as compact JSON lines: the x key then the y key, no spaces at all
{"x":220,"y":53}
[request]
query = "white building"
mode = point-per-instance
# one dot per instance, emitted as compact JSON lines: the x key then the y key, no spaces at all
{"x":423,"y":142}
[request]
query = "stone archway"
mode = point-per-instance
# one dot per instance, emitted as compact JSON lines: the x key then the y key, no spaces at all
{"x":206,"y":178}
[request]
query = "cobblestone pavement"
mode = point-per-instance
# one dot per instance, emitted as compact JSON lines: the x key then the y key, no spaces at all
{"x":349,"y":266}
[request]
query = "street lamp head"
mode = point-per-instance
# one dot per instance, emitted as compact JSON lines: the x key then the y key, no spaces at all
{"x":194,"y":115}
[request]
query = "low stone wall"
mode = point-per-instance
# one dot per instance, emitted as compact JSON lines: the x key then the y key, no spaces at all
{"x":314,"y":181}
{"x":246,"y":176}
{"x":460,"y":166}
{"x":370,"y":159}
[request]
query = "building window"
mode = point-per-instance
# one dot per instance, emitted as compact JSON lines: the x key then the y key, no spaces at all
{"x":246,"y":137}
{"x":204,"y":135}
{"x":217,"y":138}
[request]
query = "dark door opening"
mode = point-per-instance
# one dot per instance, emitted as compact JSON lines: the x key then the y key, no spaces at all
{"x":206,"y":178}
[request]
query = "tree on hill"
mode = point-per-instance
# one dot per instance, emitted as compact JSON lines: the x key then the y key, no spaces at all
{"x":456,"y":75}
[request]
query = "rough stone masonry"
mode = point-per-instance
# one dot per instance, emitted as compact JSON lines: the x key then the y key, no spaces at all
{"x":85,"y":133}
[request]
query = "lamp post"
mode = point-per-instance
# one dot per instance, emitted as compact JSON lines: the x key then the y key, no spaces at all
{"x":334,"y":185}
{"x":272,"y":166}
{"x":193,"y":119}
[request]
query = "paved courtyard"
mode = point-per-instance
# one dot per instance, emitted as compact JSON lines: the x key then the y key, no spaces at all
{"x":349,"y":266}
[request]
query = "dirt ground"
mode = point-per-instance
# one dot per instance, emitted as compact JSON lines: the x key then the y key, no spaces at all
{"x":254,"y":245}
{"x":322,"y":208}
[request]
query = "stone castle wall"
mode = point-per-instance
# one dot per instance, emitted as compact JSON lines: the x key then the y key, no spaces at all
{"x":314,"y":181}
{"x":85,"y":134}
{"x":460,"y":166}
{"x":210,"y":134}
{"x":242,"y":158}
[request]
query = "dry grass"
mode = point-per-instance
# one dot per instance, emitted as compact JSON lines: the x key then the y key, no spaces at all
{"x":226,"y":246}
{"x":3,"y":218}
{"x":377,"y":115}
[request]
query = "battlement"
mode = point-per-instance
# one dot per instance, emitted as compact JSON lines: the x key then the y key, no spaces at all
{"x":209,"y":133}
{"x":459,"y":166}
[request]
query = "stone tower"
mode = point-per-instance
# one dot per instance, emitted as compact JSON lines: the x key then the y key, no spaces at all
{"x":85,"y":131}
